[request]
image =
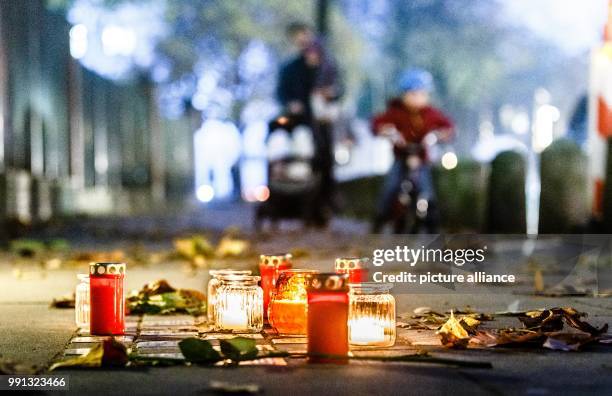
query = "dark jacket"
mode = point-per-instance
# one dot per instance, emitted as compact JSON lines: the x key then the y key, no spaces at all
{"x":296,"y":82}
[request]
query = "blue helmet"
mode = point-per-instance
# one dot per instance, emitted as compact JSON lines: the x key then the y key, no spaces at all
{"x":416,"y":80}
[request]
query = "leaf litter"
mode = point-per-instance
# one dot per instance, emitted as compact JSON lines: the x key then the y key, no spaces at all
{"x":560,"y":328}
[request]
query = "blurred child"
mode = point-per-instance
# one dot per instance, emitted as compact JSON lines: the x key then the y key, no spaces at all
{"x":407,"y":120}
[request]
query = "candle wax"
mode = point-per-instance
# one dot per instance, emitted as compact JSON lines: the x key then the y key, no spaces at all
{"x":288,"y":316}
{"x":358,"y":275}
{"x":269,"y":273}
{"x":233,"y":316}
{"x":107,"y":307}
{"x":366,"y":330}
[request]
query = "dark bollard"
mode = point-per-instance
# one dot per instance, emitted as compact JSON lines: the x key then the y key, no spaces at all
{"x":506,"y":213}
{"x":63,"y":198}
{"x":40,"y":203}
{"x":462,"y":196}
{"x":563,"y":197}
{"x":17,"y":198}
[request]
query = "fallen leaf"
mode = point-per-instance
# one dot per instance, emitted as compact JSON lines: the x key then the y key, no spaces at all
{"x":67,"y":301}
{"x":27,"y":247}
{"x":199,"y":351}
{"x":159,"y":297}
{"x":108,"y":353}
{"x":538,"y":281}
{"x":159,"y":286}
{"x":422,"y":310}
{"x":452,"y":334}
{"x":469,"y":324}
{"x":567,"y":341}
{"x":507,"y":337}
{"x":239,"y":348}
{"x":547,"y":320}
{"x":190,"y":248}
{"x":231,"y":247}
{"x":552,"y":319}
{"x":572,"y":318}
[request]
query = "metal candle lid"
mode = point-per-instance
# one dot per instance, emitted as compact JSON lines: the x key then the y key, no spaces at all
{"x":328,"y":281}
{"x":275,"y":259}
{"x":345,"y":264}
{"x":228,"y":271}
{"x":101,"y":269}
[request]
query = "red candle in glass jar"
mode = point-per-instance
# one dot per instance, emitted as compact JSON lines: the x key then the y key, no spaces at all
{"x":270,"y":266}
{"x":107,"y":305}
{"x":355,"y":267}
{"x":328,"y":310}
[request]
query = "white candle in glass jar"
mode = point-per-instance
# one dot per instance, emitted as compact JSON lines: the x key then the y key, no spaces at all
{"x":366,"y":330}
{"x":233,"y":313}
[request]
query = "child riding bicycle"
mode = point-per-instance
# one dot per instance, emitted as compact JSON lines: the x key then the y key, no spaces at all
{"x":407,"y":120}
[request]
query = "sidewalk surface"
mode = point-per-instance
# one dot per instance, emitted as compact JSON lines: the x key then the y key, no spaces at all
{"x":33,"y":333}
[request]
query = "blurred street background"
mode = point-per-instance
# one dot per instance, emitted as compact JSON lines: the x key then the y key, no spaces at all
{"x":129,"y":108}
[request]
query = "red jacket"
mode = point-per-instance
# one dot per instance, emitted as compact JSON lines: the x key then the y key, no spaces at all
{"x":413,"y":125}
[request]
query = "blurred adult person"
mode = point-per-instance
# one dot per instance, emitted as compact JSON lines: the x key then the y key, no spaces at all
{"x":406,"y":121}
{"x":309,"y":89}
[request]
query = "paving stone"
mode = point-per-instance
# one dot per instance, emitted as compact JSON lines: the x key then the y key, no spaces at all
{"x":169,"y":355}
{"x":169,"y":333}
{"x":296,"y":340}
{"x":76,"y":351}
{"x":157,"y":344}
{"x":225,"y":336}
{"x":81,"y":339}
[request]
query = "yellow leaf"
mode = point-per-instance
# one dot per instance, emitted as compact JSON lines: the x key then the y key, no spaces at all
{"x":469,"y":323}
{"x":108,"y":353}
{"x":231,"y":247}
{"x":538,"y":281}
{"x":185,"y":247}
{"x":453,"y":334}
{"x":92,"y":359}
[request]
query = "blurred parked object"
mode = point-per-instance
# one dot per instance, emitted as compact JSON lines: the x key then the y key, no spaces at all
{"x":462,"y":195}
{"x":563,"y":196}
{"x":506,"y":201}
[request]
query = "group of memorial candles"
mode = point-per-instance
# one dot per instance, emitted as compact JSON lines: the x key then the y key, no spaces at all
{"x":333,"y":310}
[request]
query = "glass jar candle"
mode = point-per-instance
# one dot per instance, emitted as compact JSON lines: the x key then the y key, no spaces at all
{"x":269,"y":267}
{"x":371,"y":314}
{"x":106,"y":302}
{"x":355,"y":267}
{"x":81,"y":302}
{"x":213,"y":284}
{"x":328,"y":308}
{"x":288,"y":303}
{"x":238,"y":304}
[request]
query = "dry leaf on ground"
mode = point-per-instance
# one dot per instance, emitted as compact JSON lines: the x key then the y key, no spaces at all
{"x":109,"y":353}
{"x":453,"y":334}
